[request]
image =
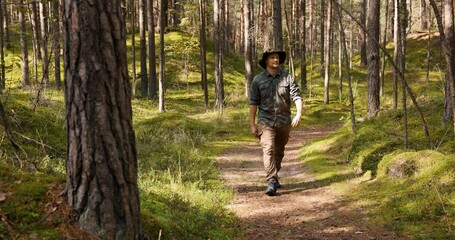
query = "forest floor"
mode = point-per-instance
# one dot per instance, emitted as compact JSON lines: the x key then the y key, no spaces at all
{"x":304,"y":208}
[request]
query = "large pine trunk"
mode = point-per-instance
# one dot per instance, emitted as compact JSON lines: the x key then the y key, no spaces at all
{"x":101,"y":157}
{"x":373,"y":28}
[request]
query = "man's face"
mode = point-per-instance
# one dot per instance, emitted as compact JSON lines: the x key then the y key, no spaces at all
{"x":273,"y":60}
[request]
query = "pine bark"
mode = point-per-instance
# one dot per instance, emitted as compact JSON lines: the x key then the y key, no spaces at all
{"x":303,"y":50}
{"x":143,"y":46}
{"x":218,"y":41}
{"x":373,"y":27}
{"x":248,"y":8}
{"x":35,"y":25}
{"x":151,"y":50}
{"x":2,"y":53}
{"x":56,"y":42}
{"x":423,"y":15}
{"x":447,"y":36}
{"x":277,"y":25}
{"x":133,"y":44}
{"x":101,"y":157}
{"x":44,"y":51}
{"x":203,"y":51}
{"x":162,"y":81}
{"x":24,"y":46}
{"x":396,"y":51}
{"x":327,"y":54}
{"x":363,"y":51}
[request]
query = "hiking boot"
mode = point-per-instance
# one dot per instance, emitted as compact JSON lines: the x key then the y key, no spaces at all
{"x":277,"y":184}
{"x":271,"y":187}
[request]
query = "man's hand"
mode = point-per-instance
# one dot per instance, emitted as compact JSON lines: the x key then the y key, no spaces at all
{"x":296,"y":120}
{"x":254,"y":131}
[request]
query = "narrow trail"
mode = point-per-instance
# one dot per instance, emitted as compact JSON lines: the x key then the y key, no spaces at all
{"x":304,"y":208}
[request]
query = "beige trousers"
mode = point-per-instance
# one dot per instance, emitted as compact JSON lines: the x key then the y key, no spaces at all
{"x":273,"y":140}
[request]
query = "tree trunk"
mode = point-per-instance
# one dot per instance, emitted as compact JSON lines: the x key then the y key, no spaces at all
{"x":363,"y":51}
{"x":133,"y":45}
{"x":384,"y":43}
{"x":24,"y":45}
{"x":403,"y":80}
{"x":322,"y":40}
{"x":151,"y":50}
{"x":202,"y":37}
{"x":327,"y":54}
{"x":311,"y":39}
{"x":248,"y":8}
{"x":143,"y":52}
{"x":218,"y":38}
{"x":303,"y":72}
{"x":373,"y":104}
{"x":101,"y":159}
{"x":447,"y":36}
{"x":44,"y":51}
{"x":340,"y":57}
{"x":36,"y":37}
{"x":56,"y":43}
{"x":429,"y":54}
{"x":7,"y":24}
{"x":347,"y":67}
{"x":402,"y":29}
{"x":396,"y":51}
{"x":277,"y":26}
{"x":162,"y":81}
{"x":2,"y":53}
{"x":423,"y":15}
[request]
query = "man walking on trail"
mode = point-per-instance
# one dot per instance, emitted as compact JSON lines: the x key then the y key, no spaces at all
{"x":272,"y":91}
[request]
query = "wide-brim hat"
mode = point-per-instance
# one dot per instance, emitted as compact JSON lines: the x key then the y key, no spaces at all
{"x":266,"y":53}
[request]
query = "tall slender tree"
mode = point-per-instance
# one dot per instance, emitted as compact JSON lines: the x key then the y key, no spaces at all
{"x":447,"y":36}
{"x":151,"y":50}
{"x":2,"y":53}
{"x":303,"y":51}
{"x":423,"y":15}
{"x":202,"y":40}
{"x":24,"y":46}
{"x":56,"y":16}
{"x":247,"y":12}
{"x":143,"y":46}
{"x":101,"y":161}
{"x":44,"y":51}
{"x":363,"y":40}
{"x":277,"y":24}
{"x":327,"y":55}
{"x":133,"y":44}
{"x":218,"y":38}
{"x":162,"y":79}
{"x":373,"y":27}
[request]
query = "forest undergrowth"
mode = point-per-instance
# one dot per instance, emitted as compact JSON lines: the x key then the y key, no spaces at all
{"x":407,"y":190}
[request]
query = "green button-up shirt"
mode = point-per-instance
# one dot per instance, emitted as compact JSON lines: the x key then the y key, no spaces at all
{"x":273,"y":97}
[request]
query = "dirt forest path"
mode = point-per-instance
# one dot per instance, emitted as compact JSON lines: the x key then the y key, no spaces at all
{"x":303,"y":209}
